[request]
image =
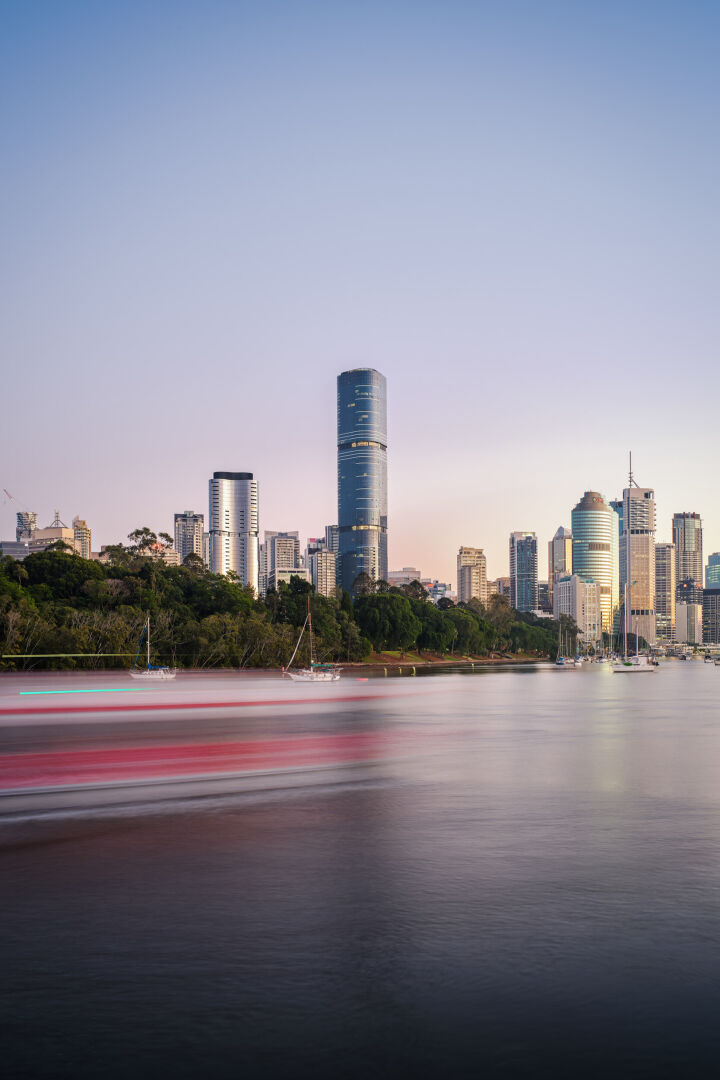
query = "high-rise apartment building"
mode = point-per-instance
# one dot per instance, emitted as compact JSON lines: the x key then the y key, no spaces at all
{"x":687,"y":538}
{"x":189,"y":534}
{"x":594,"y":527}
{"x":25,"y":523}
{"x":689,"y":612}
{"x":559,"y":557}
{"x":665,"y":587}
{"x":332,"y":539}
{"x":712,"y":571}
{"x":471,"y":575}
{"x":82,"y":537}
{"x":234,"y":526}
{"x":362,"y":475}
{"x":637,"y":561}
{"x":523,"y":571}
{"x":581,"y":600}
{"x":322,"y":571}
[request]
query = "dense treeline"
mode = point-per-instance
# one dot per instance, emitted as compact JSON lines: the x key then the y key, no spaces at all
{"x":57,"y":602}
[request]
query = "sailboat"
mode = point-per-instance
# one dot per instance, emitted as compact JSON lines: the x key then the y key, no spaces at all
{"x":150,"y":673}
{"x":316,"y":672}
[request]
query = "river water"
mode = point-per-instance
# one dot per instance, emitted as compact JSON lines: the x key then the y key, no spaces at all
{"x":523,"y":880}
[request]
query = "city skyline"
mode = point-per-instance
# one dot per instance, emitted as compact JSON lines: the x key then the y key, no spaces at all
{"x":178,"y":258}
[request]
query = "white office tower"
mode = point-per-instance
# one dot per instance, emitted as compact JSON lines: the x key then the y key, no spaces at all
{"x":637,"y":560}
{"x":323,"y":565}
{"x":580,"y":599}
{"x":472,"y":575}
{"x":234,"y":526}
{"x":189,"y":534}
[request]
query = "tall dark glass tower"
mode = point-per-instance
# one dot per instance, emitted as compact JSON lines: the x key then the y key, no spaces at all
{"x":362,"y":475}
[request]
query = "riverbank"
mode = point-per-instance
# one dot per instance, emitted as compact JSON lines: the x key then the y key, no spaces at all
{"x":397,"y":661}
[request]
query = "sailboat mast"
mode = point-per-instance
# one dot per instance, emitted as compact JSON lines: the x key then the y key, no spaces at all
{"x":310,"y":632}
{"x":148,"y":642}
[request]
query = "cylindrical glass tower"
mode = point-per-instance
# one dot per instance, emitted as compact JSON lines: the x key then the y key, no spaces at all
{"x":362,"y":475}
{"x":595,"y":551}
{"x":234,"y":526}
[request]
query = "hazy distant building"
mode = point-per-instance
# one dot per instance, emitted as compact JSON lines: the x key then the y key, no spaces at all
{"x":404,"y":576}
{"x":580,"y":600}
{"x":189,"y":534}
{"x":712,"y":571}
{"x":234,"y":516}
{"x":499,"y":587}
{"x":472,"y":575}
{"x":559,"y":557}
{"x":322,"y":566}
{"x":25,"y":523}
{"x":637,"y":561}
{"x":544,"y":602}
{"x":56,"y":532}
{"x":523,"y":571}
{"x":687,"y":538}
{"x":438,"y":590}
{"x":362,"y":475}
{"x":16,"y":549}
{"x":594,"y":527}
{"x":82,"y":537}
{"x":665,"y":587}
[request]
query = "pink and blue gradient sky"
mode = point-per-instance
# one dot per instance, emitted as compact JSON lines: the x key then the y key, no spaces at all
{"x":508,"y":208}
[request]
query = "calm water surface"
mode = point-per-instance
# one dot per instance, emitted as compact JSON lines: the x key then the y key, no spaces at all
{"x":529,"y":887}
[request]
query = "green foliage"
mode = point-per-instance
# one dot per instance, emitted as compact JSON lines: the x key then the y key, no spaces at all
{"x":57,"y":602}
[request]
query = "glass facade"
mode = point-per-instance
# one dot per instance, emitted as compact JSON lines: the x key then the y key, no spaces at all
{"x":234,"y":526}
{"x":687,"y":538}
{"x":712,"y":571}
{"x":594,"y":526}
{"x":523,"y":571}
{"x":362,"y":476}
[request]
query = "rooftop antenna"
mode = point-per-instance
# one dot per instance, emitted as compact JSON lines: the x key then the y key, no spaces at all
{"x":631,"y":478}
{"x":56,"y":522}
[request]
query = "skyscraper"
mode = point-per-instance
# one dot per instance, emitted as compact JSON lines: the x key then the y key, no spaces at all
{"x":687,"y":538}
{"x":665,"y":586}
{"x":523,"y":571}
{"x":362,"y":475}
{"x":234,"y":526}
{"x":189,"y":534}
{"x":594,"y":527}
{"x":712,"y":571}
{"x":471,"y":575}
{"x":559,"y":557}
{"x":637,"y":560}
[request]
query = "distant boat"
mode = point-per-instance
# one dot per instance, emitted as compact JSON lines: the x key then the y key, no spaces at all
{"x":150,"y":673}
{"x":316,"y":672}
{"x":632,"y":664}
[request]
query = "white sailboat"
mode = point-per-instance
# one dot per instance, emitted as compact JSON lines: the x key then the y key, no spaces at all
{"x":150,"y":673}
{"x":316,"y":672}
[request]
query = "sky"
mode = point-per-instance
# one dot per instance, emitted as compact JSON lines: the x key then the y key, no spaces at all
{"x":208,"y":210}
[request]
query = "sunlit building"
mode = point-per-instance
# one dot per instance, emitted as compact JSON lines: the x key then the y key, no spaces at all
{"x":82,"y":537}
{"x":322,"y":565}
{"x":523,"y":571}
{"x":234,"y":526}
{"x":189,"y":534}
{"x":665,"y":586}
{"x":594,"y":526}
{"x":637,"y":561}
{"x":472,"y":575}
{"x":362,"y":475}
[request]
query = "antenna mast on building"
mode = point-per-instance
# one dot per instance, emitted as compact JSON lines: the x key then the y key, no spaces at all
{"x":631,"y":478}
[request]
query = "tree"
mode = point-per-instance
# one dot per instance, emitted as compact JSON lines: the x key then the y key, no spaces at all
{"x":387,"y":620}
{"x":414,"y":591}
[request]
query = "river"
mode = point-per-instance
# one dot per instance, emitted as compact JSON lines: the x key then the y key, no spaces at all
{"x":508,"y":873}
